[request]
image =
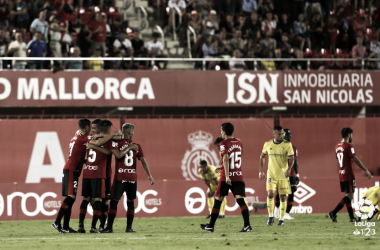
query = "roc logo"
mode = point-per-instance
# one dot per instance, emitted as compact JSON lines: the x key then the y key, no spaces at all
{"x":303,"y":193}
{"x":200,"y":142}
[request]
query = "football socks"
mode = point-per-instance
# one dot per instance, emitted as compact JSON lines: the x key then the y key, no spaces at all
{"x":270,"y":204}
{"x":223,"y":206}
{"x":215,"y":212}
{"x":97,"y":206}
{"x":65,"y":206}
{"x":210,"y":203}
{"x":282,"y":209}
{"x":112,"y":213}
{"x":82,"y":212}
{"x":244,"y":211}
{"x":130,"y":213}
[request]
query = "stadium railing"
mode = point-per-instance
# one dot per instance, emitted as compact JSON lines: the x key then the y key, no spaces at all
{"x":189,"y":60}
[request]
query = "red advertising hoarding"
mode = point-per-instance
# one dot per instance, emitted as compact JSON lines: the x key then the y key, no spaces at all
{"x":188,"y":88}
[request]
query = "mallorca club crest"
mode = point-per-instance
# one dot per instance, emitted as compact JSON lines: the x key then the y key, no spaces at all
{"x":200,"y":142}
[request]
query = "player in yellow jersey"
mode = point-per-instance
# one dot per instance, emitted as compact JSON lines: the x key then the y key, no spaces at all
{"x":373,"y":195}
{"x":211,"y":177}
{"x":278,"y":151}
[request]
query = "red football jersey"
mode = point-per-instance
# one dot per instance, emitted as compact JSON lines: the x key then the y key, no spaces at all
{"x":293,"y":172}
{"x":344,"y":153}
{"x":96,"y":166}
{"x":125,"y":168}
{"x":77,"y":152}
{"x":234,"y":149}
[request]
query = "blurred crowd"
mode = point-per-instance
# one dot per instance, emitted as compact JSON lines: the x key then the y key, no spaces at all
{"x":235,"y":29}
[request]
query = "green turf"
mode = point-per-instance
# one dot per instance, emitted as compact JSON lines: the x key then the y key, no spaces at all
{"x":304,"y":232}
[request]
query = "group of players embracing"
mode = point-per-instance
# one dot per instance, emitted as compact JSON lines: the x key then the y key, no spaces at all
{"x":97,"y":172}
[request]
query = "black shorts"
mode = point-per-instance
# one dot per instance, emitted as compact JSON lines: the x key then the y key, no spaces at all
{"x":69,"y":182}
{"x":237,"y":188}
{"x":347,"y":186}
{"x":94,"y":188}
{"x":293,"y":184}
{"x":119,"y":187}
{"x":108,"y":188}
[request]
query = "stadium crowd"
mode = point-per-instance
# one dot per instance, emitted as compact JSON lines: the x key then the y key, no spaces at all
{"x":235,"y":29}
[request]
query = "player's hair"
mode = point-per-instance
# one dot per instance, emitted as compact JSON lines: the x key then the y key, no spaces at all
{"x":83,"y":123}
{"x":105,"y":125}
{"x":97,"y":122}
{"x":127,"y":126}
{"x":346,"y":131}
{"x":277,"y":128}
{"x":228,"y":128}
{"x":203,"y":162}
{"x":218,"y":140}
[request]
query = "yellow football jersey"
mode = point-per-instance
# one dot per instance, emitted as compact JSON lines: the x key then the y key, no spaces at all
{"x":373,"y":194}
{"x":278,"y":154}
{"x":210,"y":175}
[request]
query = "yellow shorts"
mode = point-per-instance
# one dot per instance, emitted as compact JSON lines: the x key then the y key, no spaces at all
{"x":213,"y":188}
{"x":283,"y":186}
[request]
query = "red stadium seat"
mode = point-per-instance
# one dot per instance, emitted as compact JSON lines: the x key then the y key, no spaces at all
{"x":309,"y":53}
{"x":113,"y":13}
{"x":339,"y":53}
{"x":74,"y":19}
{"x":324,"y":53}
{"x":85,"y":15}
{"x":370,"y":33}
{"x":28,"y":37}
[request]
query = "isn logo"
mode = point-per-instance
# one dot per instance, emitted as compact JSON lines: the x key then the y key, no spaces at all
{"x":200,"y":142}
{"x":303,"y":193}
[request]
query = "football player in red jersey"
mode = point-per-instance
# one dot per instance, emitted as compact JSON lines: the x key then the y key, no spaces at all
{"x":231,"y":178}
{"x":95,"y":170}
{"x":293,"y":179}
{"x":345,"y":153}
{"x":126,"y":153}
{"x":71,"y":173}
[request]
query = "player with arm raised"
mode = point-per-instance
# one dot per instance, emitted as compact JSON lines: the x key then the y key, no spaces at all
{"x":345,"y":153}
{"x":231,"y":178}
{"x":278,"y":151}
{"x":71,"y":173}
{"x":126,"y":153}
{"x":293,"y":179}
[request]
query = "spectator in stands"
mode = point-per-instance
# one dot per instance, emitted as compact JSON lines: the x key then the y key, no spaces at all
{"x":227,"y":25}
{"x":332,"y":31}
{"x":3,"y":47}
{"x":345,"y":13}
{"x":116,"y":27}
{"x":138,"y":45}
{"x":316,"y":30}
{"x":240,"y":23}
{"x":36,"y":48}
{"x":121,"y":64}
{"x":40,"y":25}
{"x":373,"y":51}
{"x":284,"y":26}
{"x":210,"y":50}
{"x":181,"y":4}
{"x":195,"y":22}
{"x":269,"y":24}
{"x":358,"y":52}
{"x":248,"y":7}
{"x":156,"y":49}
{"x":264,"y":6}
{"x":360,"y":26}
{"x":44,"y":5}
{"x":268,"y":45}
{"x":211,"y":23}
{"x":122,"y":45}
{"x":84,"y":40}
{"x":237,"y":42}
{"x":22,"y":16}
{"x":268,"y":65}
{"x":96,"y":64}
{"x":300,"y":31}
{"x":236,"y":63}
{"x":98,"y":30}
{"x":251,"y":28}
{"x":74,"y":64}
{"x":17,"y":48}
{"x":55,"y":37}
{"x":312,"y":7}
{"x":64,"y":8}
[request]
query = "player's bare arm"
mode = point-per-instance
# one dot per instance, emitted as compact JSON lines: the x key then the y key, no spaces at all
{"x":290,"y":165}
{"x":295,"y":166}
{"x":99,"y":149}
{"x":105,"y":138}
{"x":146,"y":168}
{"x":360,"y":165}
{"x":120,"y":154}
{"x":226,"y":164}
{"x":262,"y":161}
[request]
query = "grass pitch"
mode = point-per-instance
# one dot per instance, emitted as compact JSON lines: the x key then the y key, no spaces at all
{"x":304,"y":232}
